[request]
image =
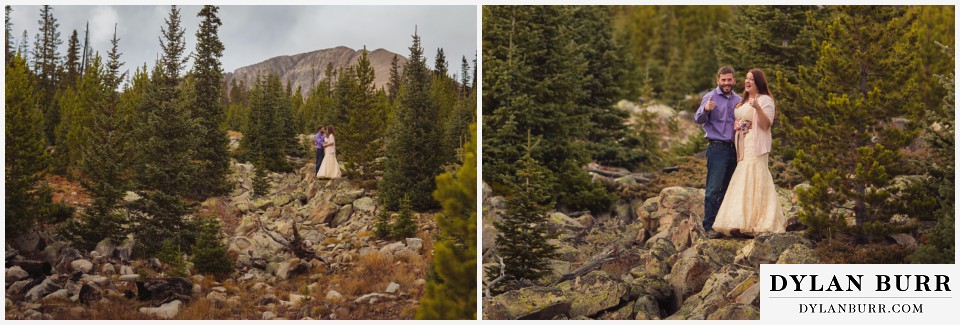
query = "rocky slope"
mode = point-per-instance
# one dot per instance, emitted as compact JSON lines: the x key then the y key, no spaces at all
{"x":350,"y":274}
{"x":306,"y":69}
{"x":645,"y":260}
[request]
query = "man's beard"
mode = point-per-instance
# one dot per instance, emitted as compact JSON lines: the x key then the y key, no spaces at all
{"x":726,"y":89}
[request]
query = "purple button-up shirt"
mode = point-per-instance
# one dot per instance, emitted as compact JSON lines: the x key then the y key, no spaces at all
{"x":718,"y":123}
{"x":319,"y":140}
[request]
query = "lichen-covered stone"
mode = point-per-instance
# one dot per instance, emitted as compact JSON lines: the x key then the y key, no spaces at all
{"x":528,"y":303}
{"x":798,"y":254}
{"x":593,"y":293}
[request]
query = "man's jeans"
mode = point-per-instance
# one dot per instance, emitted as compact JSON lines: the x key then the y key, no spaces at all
{"x":721,"y":161}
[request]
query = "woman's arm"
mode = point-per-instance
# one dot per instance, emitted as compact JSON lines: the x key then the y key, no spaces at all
{"x":765,"y":110}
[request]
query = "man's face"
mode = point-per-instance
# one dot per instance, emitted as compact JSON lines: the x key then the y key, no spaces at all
{"x":726,"y":82}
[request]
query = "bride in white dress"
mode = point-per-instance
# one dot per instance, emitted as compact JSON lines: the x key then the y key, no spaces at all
{"x":329,"y":167}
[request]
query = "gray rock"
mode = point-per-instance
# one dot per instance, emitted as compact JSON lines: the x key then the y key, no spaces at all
{"x":106,"y":247}
{"x":127,"y":270}
{"x":28,"y":242}
{"x":292,"y":268}
{"x":155,"y":264}
{"x":737,"y":311}
{"x":15,"y":273}
{"x":99,"y":280}
{"x":334,"y":296}
{"x":125,"y":251}
{"x":365,"y":205}
{"x":905,"y":240}
{"x":269,"y":315}
{"x":364,"y":251}
{"x":218,"y":299}
{"x":370,"y":298}
{"x":130,"y":277}
{"x":646,"y":308}
{"x":391,"y":249}
{"x":392,"y":287}
{"x":268,"y":299}
{"x":593,"y":293}
{"x":721,"y":289}
{"x":17,"y":287}
{"x":61,"y":294}
{"x":131,"y":197}
{"x":41,"y":290}
{"x":51,"y":254}
{"x":347,"y":197}
{"x":342,"y":216}
{"x":108,"y":269}
{"x":696,"y":265}
{"x":766,"y":249}
{"x":166,"y":311}
{"x":82,"y":265}
{"x":415,"y":244}
{"x":798,"y":254}
{"x":528,"y":303}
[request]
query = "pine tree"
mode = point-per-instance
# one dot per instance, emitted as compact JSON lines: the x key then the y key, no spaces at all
{"x":360,"y":140}
{"x":46,"y":63}
{"x":405,"y":226}
{"x":171,"y":254}
{"x":344,"y":94}
{"x":535,"y":81}
{"x":167,"y":131}
{"x":211,"y":153}
{"x":114,"y":77}
{"x":933,"y":24}
{"x":269,"y":133}
{"x":382,"y":226}
{"x":396,"y":79}
{"x":9,"y":47}
{"x":453,"y":295}
{"x":209,"y":253}
{"x":412,"y":138}
{"x":101,"y":158}
{"x":674,"y":47}
{"x":71,"y":68}
{"x":938,"y":245}
{"x":261,"y":184}
{"x":523,"y":232}
{"x":165,"y":141}
{"x":847,"y":141}
{"x":444,"y":93}
{"x":26,"y":160}
{"x":606,"y":81}
{"x":464,"y":77}
{"x":776,"y":38}
{"x":440,"y":64}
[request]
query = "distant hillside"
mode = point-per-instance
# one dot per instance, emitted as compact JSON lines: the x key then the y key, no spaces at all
{"x":306,"y":69}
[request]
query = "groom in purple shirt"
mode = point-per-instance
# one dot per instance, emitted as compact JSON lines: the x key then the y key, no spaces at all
{"x":716,"y":116}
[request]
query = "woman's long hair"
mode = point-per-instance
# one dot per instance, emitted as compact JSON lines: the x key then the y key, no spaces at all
{"x":330,"y":130}
{"x":759,"y":81}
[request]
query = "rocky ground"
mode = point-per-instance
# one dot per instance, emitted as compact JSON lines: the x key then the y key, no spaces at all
{"x":646,"y":260}
{"x":349,"y":273}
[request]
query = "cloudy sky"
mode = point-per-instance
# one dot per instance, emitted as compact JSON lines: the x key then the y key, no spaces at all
{"x":252,"y":34}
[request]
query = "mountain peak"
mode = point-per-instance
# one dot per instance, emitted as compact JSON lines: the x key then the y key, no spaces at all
{"x":305,"y":70}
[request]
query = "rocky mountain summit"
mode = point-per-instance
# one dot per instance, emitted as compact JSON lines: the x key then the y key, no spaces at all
{"x":645,"y":260}
{"x":304,"y":251}
{"x":306,"y":69}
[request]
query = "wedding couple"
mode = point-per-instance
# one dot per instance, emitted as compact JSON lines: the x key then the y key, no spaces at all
{"x":740,"y":196}
{"x":327,"y":164}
